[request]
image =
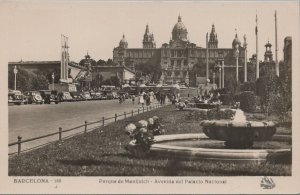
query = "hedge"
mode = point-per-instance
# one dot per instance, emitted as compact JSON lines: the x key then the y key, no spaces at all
{"x":247,"y":101}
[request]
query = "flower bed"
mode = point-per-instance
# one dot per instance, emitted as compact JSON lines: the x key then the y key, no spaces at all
{"x":142,"y":135}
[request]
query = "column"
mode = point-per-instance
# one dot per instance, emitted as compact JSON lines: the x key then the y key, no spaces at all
{"x":245,"y":68}
{"x":237,"y":68}
{"x":223,"y":75}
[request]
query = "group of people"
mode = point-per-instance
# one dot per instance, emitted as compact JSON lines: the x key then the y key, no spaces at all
{"x":146,"y":97}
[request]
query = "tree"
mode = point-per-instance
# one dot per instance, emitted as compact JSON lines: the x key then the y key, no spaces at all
{"x":39,"y":82}
{"x":101,"y":62}
{"x":149,"y":70}
{"x":27,"y":81}
{"x":97,"y":80}
{"x":23,"y":80}
{"x":267,"y":88}
{"x":110,"y":62}
{"x":115,"y":81}
{"x":232,"y":85}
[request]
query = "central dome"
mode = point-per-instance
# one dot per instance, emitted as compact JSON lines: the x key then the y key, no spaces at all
{"x":179,"y":31}
{"x":179,"y":25}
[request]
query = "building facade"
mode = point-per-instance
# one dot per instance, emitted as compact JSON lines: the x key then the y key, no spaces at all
{"x":178,"y":58}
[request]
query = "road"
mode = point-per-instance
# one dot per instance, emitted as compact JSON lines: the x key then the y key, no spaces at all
{"x":31,"y":121}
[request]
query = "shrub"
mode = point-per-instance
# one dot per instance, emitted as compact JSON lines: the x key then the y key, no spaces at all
{"x":226,"y":99}
{"x":248,"y":86}
{"x":247,"y":101}
{"x":211,"y":114}
{"x":220,"y":114}
{"x":196,"y":115}
{"x":221,"y":91}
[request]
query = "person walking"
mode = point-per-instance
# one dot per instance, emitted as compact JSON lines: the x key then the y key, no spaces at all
{"x":141,"y":98}
{"x":151,"y":96}
{"x":133,"y":99}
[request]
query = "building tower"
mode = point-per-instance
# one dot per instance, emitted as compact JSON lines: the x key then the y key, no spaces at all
{"x":123,"y":43}
{"x":148,"y":41}
{"x":213,"y":38}
{"x":236,"y":44}
{"x":268,"y":52}
{"x":64,"y":59}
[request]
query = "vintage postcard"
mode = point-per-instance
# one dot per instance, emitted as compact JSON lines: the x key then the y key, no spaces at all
{"x":150,"y":97}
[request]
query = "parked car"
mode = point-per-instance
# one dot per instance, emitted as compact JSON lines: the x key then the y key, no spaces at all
{"x":96,"y":95}
{"x":65,"y":97}
{"x":109,"y":95}
{"x":86,"y":95}
{"x":49,"y":96}
{"x":76,"y":96}
{"x":16,"y":97}
{"x":101,"y":95}
{"x":34,"y":97}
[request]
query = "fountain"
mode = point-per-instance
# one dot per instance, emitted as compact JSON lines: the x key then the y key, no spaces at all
{"x":238,"y":133}
{"x":235,"y":140}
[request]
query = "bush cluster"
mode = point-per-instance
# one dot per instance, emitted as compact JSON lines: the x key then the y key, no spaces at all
{"x":247,"y":101}
{"x":227,"y":99}
{"x":248,"y":86}
{"x":212,"y":114}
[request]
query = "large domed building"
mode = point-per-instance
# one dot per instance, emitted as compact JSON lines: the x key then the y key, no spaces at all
{"x":180,"y":58}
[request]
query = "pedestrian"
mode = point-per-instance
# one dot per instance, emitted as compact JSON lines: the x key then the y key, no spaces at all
{"x":141,"y":98}
{"x":151,"y":96}
{"x":133,"y":99}
{"x":123,"y":97}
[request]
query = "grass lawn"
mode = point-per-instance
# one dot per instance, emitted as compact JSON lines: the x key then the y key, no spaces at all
{"x":101,"y":153}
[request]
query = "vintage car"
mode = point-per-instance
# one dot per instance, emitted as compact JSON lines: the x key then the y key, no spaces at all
{"x":49,"y":96}
{"x":65,"y":97}
{"x":16,"y":97}
{"x":97,"y":95}
{"x":108,"y":94}
{"x":76,"y":96}
{"x":34,"y":97}
{"x":86,"y":95}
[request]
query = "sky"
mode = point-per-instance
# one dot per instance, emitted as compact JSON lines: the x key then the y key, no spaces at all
{"x":32,"y":30}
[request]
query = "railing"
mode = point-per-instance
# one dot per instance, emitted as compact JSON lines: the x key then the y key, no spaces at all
{"x":85,"y":125}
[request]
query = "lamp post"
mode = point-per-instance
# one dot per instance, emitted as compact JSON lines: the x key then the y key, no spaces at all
{"x":53,"y":81}
{"x":15,"y":72}
{"x":245,"y":66}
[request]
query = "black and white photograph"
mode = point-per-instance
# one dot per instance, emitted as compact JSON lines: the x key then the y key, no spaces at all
{"x":149,"y":97}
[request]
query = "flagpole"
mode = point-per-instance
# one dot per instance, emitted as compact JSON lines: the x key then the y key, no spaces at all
{"x":276,"y":48}
{"x":257,"y":63}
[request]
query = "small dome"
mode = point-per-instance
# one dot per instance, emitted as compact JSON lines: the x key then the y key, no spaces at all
{"x":268,"y":44}
{"x":123,"y":43}
{"x":123,"y":40}
{"x":236,"y":41}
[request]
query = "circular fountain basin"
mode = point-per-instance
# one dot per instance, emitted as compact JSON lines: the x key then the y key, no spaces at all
{"x":199,"y":147}
{"x":238,"y":134}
